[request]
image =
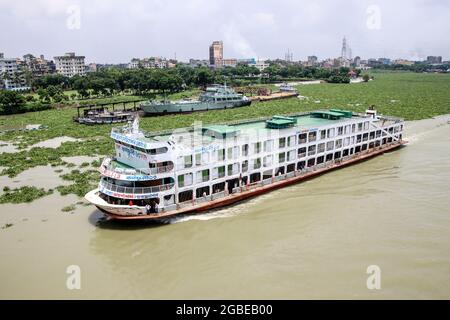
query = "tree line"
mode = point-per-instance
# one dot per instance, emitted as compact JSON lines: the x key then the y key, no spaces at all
{"x":109,"y":82}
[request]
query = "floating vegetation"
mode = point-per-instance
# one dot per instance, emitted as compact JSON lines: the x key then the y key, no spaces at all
{"x":7,"y":225}
{"x":83,"y":182}
{"x":23,"y":194}
{"x":68,"y":208}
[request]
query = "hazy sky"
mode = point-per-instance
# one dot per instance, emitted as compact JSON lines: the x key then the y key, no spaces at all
{"x":115,"y":31}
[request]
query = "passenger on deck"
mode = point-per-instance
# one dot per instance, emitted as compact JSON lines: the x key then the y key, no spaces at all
{"x":148,"y":209}
{"x":131,"y":203}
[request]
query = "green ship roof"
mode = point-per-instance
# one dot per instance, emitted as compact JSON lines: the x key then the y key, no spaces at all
{"x":220,"y":131}
{"x":280,"y":122}
{"x":332,"y":114}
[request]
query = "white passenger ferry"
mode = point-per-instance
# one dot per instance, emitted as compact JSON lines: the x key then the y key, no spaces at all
{"x":190,"y":170}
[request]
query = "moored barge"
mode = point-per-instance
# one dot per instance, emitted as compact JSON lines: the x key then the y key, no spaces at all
{"x":191,"y":170}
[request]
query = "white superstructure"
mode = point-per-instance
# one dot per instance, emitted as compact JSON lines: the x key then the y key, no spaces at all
{"x":193,"y":166}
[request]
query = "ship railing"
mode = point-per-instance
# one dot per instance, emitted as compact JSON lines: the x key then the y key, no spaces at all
{"x":143,"y":171}
{"x":135,"y":190}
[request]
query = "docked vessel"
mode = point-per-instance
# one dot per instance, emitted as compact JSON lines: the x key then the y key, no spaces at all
{"x":285,"y":87}
{"x":191,"y":170}
{"x":214,"y":98}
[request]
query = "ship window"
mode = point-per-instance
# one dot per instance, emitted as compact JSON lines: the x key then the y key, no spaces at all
{"x":291,"y":155}
{"x":268,"y":145}
{"x":245,"y":150}
{"x":233,"y":169}
{"x":202,"y":176}
{"x":198,"y":159}
{"x":290,"y":167}
{"x":185,"y":196}
{"x":282,"y":142}
{"x":330,"y":133}
{"x":201,"y":192}
{"x":267,"y":161}
{"x":323,"y":134}
{"x":256,"y":163}
{"x":301,"y":165}
{"x":245,"y":166}
{"x":330,"y":145}
{"x":338,"y":143}
{"x":311,"y":150}
{"x":312,"y":136}
{"x":219,"y":187}
{"x":157,"y":151}
{"x":301,"y":152}
{"x":302,"y":138}
{"x":340,"y":131}
{"x":257,"y":147}
{"x":321,"y":147}
{"x":221,"y":154}
{"x":311,"y":162}
{"x":353,"y":128}
{"x":221,"y":172}
{"x":281,"y":157}
{"x":188,"y":161}
{"x":291,"y":141}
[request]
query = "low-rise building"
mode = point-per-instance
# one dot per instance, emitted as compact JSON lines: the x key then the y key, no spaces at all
{"x":261,"y":65}
{"x":38,"y":66}
{"x":434,"y":60}
{"x":70,"y":65}
{"x":229,"y":62}
{"x":149,"y":63}
{"x":11,"y":77}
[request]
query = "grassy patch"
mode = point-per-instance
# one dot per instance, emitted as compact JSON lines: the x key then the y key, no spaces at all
{"x":83,"y":182}
{"x":23,"y":194}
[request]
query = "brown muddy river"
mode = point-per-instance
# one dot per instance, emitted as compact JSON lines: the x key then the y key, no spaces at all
{"x":312,"y":240}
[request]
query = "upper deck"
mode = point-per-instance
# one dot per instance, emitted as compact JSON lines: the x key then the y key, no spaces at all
{"x":301,"y":122}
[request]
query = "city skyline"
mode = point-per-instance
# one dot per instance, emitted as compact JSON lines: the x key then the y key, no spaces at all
{"x":410,"y":30}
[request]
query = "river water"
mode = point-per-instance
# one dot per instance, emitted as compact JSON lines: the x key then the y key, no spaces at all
{"x":312,"y":240}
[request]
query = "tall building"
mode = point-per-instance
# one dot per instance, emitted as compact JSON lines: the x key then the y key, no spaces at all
{"x":70,"y":65}
{"x":289,"y":56}
{"x":11,"y":77}
{"x":216,"y":54}
{"x":434,"y":59}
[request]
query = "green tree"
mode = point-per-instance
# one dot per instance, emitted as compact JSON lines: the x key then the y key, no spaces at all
{"x":366,"y":77}
{"x":11,"y":102}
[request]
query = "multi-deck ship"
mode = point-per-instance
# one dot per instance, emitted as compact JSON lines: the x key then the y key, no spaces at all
{"x":214,"y":98}
{"x":190,"y":170}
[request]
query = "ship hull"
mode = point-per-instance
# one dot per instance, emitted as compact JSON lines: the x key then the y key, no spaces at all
{"x":137,"y":213}
{"x":173,"y":108}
